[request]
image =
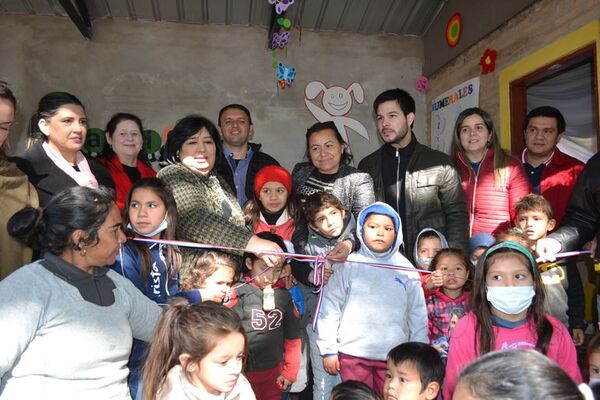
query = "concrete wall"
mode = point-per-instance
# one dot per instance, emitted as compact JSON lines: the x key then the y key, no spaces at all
{"x":163,"y":71}
{"x":534,"y":28}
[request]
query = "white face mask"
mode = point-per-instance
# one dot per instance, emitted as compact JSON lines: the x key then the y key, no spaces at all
{"x":163,"y":225}
{"x":510,"y":299}
{"x":424,"y":262}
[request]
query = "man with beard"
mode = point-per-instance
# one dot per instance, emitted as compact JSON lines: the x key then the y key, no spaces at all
{"x":420,"y":183}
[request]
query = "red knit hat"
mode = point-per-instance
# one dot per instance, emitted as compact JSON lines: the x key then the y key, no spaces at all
{"x":272,"y":173}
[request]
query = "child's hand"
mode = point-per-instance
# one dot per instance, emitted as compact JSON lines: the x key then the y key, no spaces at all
{"x":341,"y":250}
{"x":331,"y":364}
{"x":283,"y":383}
{"x":578,"y":336}
{"x":328,"y":272}
{"x":435,"y":280}
{"x":215,"y":294}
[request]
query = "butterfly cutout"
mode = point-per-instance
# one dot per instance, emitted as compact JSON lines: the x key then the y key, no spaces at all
{"x":280,"y":39}
{"x":281,"y":5}
{"x":285,"y":75}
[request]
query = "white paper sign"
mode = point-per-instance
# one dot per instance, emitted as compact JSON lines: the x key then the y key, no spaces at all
{"x":446,"y":107}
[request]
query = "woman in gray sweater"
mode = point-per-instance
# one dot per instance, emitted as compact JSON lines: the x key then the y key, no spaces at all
{"x":329,"y":169}
{"x":68,"y":320}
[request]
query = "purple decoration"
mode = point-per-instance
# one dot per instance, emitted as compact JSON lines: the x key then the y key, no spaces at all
{"x":280,"y":39}
{"x":281,"y":5}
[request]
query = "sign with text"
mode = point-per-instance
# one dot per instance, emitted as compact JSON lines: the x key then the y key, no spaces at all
{"x":446,"y":107}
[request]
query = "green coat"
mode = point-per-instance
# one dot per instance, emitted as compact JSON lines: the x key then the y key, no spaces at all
{"x":207,"y":213}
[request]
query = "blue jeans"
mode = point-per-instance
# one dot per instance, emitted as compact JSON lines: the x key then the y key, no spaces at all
{"x":322,"y":381}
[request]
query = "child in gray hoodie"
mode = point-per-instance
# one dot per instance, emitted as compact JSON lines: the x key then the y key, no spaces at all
{"x":366,"y":310}
{"x":328,"y":226}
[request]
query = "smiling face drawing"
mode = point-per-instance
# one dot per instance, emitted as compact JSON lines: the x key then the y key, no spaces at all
{"x":337,"y":100}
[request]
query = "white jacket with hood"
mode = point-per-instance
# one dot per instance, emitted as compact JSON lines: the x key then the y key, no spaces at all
{"x":440,"y":235}
{"x":367,"y":310}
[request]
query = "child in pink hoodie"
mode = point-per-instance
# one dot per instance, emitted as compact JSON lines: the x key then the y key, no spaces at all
{"x":507,"y":313}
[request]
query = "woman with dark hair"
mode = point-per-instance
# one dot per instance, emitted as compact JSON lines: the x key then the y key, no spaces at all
{"x":328,"y":169}
{"x":515,"y":375}
{"x":208,"y":211}
{"x":57,"y":163}
{"x":68,"y":320}
{"x":124,"y":154}
{"x":15,"y":190}
{"x":493,"y":180}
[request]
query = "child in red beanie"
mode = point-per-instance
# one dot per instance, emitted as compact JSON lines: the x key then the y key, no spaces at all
{"x":272,"y":209}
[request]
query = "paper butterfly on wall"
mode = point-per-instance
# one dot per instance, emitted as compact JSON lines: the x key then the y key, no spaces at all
{"x":281,"y":5}
{"x":280,"y":39}
{"x":285,"y":75}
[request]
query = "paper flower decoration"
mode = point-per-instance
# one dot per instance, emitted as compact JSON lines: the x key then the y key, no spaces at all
{"x":422,"y":84}
{"x":280,"y":39}
{"x":488,"y":61}
{"x":285,"y":75}
{"x":454,"y":30}
{"x":281,"y":5}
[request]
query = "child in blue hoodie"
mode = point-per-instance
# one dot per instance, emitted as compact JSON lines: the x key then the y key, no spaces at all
{"x":367,"y":310}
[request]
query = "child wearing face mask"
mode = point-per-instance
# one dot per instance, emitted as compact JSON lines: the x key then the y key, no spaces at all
{"x":150,"y":213}
{"x":429,"y":243}
{"x":272,"y":324}
{"x":507,"y":313}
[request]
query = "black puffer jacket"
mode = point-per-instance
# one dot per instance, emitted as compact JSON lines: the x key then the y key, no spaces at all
{"x":434,"y":195}
{"x":582,"y":218}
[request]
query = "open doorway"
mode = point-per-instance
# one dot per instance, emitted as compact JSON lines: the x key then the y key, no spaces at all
{"x":570,"y":85}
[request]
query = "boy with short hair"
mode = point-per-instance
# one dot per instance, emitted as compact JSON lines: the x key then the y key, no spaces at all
{"x":328,"y":226}
{"x":564,"y":291}
{"x":365,"y":309}
{"x":415,"y":371}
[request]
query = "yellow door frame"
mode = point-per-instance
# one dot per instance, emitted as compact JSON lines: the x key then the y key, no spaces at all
{"x":584,"y":36}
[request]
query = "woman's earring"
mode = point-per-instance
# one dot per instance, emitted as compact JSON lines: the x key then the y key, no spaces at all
{"x":83,"y":252}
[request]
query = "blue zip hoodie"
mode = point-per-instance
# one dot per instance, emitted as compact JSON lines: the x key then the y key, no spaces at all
{"x":158,"y":287}
{"x":367,"y":310}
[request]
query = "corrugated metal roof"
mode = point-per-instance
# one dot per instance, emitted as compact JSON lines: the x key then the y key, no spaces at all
{"x":402,"y":17}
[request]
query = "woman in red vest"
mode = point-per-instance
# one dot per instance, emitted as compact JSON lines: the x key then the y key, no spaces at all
{"x":124,"y":156}
{"x":492,"y":179}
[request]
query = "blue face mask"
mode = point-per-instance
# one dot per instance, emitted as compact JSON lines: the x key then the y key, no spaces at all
{"x":163,"y":225}
{"x":510,"y":300}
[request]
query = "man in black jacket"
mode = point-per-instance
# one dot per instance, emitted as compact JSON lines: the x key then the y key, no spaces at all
{"x":420,"y":183}
{"x":241,"y":159}
{"x":582,"y":218}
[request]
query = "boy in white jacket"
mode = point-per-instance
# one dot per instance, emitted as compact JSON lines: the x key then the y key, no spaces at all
{"x":368,"y":310}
